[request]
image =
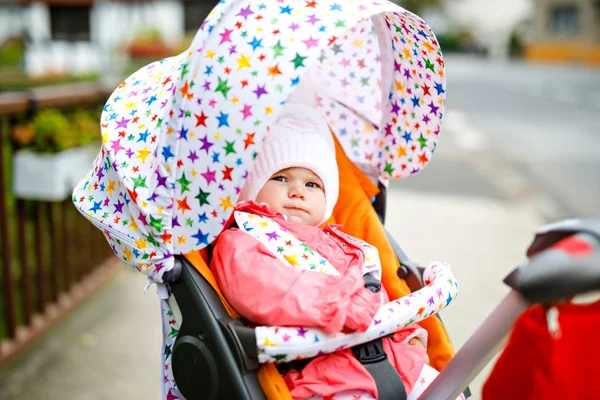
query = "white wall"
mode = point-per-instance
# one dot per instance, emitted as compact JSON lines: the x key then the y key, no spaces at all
{"x":491,"y":20}
{"x":11,"y":22}
{"x":37,"y":22}
{"x":112,"y":26}
{"x":61,"y":57}
{"x":115,"y":23}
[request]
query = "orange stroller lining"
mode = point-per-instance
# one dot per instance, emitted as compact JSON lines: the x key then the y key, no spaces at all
{"x":358,"y":217}
{"x":355,"y":212}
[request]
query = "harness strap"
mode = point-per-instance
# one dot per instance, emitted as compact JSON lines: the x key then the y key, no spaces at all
{"x":372,"y":356}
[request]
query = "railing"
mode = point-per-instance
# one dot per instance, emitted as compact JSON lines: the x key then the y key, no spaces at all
{"x":50,"y":255}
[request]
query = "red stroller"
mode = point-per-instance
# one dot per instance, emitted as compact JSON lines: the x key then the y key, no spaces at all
{"x":551,"y":352}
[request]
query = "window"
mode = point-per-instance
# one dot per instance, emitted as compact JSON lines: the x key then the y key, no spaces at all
{"x":565,"y":20}
{"x":70,"y":22}
{"x":596,"y":5}
{"x":195,"y":12}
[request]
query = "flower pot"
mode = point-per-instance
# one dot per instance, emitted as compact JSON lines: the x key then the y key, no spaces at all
{"x":50,"y":177}
{"x":149,"y":49}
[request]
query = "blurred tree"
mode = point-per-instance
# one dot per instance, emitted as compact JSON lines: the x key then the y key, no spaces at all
{"x":417,"y":6}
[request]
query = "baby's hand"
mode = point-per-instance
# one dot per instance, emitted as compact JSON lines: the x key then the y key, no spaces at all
{"x":430,"y":271}
{"x":416,"y":342}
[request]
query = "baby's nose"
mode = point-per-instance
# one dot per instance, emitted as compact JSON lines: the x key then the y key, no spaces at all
{"x":296,"y":191}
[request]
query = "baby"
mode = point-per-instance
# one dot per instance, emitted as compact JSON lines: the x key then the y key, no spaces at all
{"x":294,"y":182}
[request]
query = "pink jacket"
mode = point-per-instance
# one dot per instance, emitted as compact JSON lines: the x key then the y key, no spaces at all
{"x":267,"y":292}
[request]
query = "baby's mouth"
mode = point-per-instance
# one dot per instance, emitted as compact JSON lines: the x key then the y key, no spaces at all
{"x":294,"y":210}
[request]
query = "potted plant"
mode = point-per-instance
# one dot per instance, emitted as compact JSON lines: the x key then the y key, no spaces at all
{"x":54,"y":154}
{"x":149,"y":44}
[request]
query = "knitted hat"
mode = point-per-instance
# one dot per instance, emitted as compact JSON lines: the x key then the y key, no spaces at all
{"x":299,"y":138}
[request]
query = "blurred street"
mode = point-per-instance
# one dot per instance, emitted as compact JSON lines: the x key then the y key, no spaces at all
{"x":519,"y":147}
{"x":531,"y":130}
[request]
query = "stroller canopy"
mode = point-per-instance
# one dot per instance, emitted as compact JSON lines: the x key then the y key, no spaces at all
{"x":180,"y":134}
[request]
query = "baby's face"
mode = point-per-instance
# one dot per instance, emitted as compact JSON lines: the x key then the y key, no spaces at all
{"x":297,"y":193}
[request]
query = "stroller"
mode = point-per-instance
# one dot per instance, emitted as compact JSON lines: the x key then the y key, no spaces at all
{"x":180,"y":135}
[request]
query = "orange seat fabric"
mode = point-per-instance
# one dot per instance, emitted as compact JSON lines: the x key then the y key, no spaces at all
{"x":359,"y":219}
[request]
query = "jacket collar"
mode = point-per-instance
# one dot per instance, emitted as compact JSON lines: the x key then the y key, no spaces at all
{"x":303,"y":232}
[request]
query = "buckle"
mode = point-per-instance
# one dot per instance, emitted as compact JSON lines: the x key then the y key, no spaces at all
{"x":370,"y":352}
{"x":298,"y":365}
{"x":372,"y":283}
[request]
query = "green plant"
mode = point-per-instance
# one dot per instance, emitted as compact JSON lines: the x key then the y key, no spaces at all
{"x":11,"y":52}
{"x":149,"y":44}
{"x":51,"y":131}
{"x":450,"y":42}
{"x":515,"y":44}
{"x":15,"y":79}
{"x":87,"y":128}
{"x":149,"y":34}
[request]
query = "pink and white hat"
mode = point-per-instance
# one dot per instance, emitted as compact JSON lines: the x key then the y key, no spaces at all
{"x":299,"y":138}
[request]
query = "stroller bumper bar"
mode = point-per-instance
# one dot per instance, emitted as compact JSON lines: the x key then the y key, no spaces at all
{"x":283,"y":344}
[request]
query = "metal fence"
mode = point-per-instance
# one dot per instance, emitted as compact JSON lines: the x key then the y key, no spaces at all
{"x":47,"y":249}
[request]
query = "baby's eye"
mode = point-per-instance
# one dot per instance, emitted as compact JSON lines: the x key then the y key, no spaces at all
{"x":313,"y":185}
{"x":279,"y":178}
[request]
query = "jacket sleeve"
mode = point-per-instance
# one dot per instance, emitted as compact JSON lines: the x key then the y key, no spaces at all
{"x":267,"y":292}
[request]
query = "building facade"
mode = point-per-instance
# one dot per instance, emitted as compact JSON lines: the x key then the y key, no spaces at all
{"x":88,"y":36}
{"x":565,"y":30}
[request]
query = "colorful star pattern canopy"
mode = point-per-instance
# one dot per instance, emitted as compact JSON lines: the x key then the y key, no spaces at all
{"x":179,"y":135}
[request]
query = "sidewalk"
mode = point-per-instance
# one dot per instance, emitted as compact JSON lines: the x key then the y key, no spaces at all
{"x":110,"y":347}
{"x":482,"y":239}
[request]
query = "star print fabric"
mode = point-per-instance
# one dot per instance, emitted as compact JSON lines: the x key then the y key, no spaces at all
{"x":180,"y":134}
{"x":277,"y":344}
{"x":283,"y":244}
{"x":170,"y":328}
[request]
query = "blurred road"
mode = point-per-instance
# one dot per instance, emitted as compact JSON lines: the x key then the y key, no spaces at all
{"x":533,"y":130}
{"x":520,"y":147}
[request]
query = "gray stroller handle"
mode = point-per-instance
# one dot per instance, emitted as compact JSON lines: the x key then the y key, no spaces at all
{"x":554,"y":273}
{"x":564,"y":262}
